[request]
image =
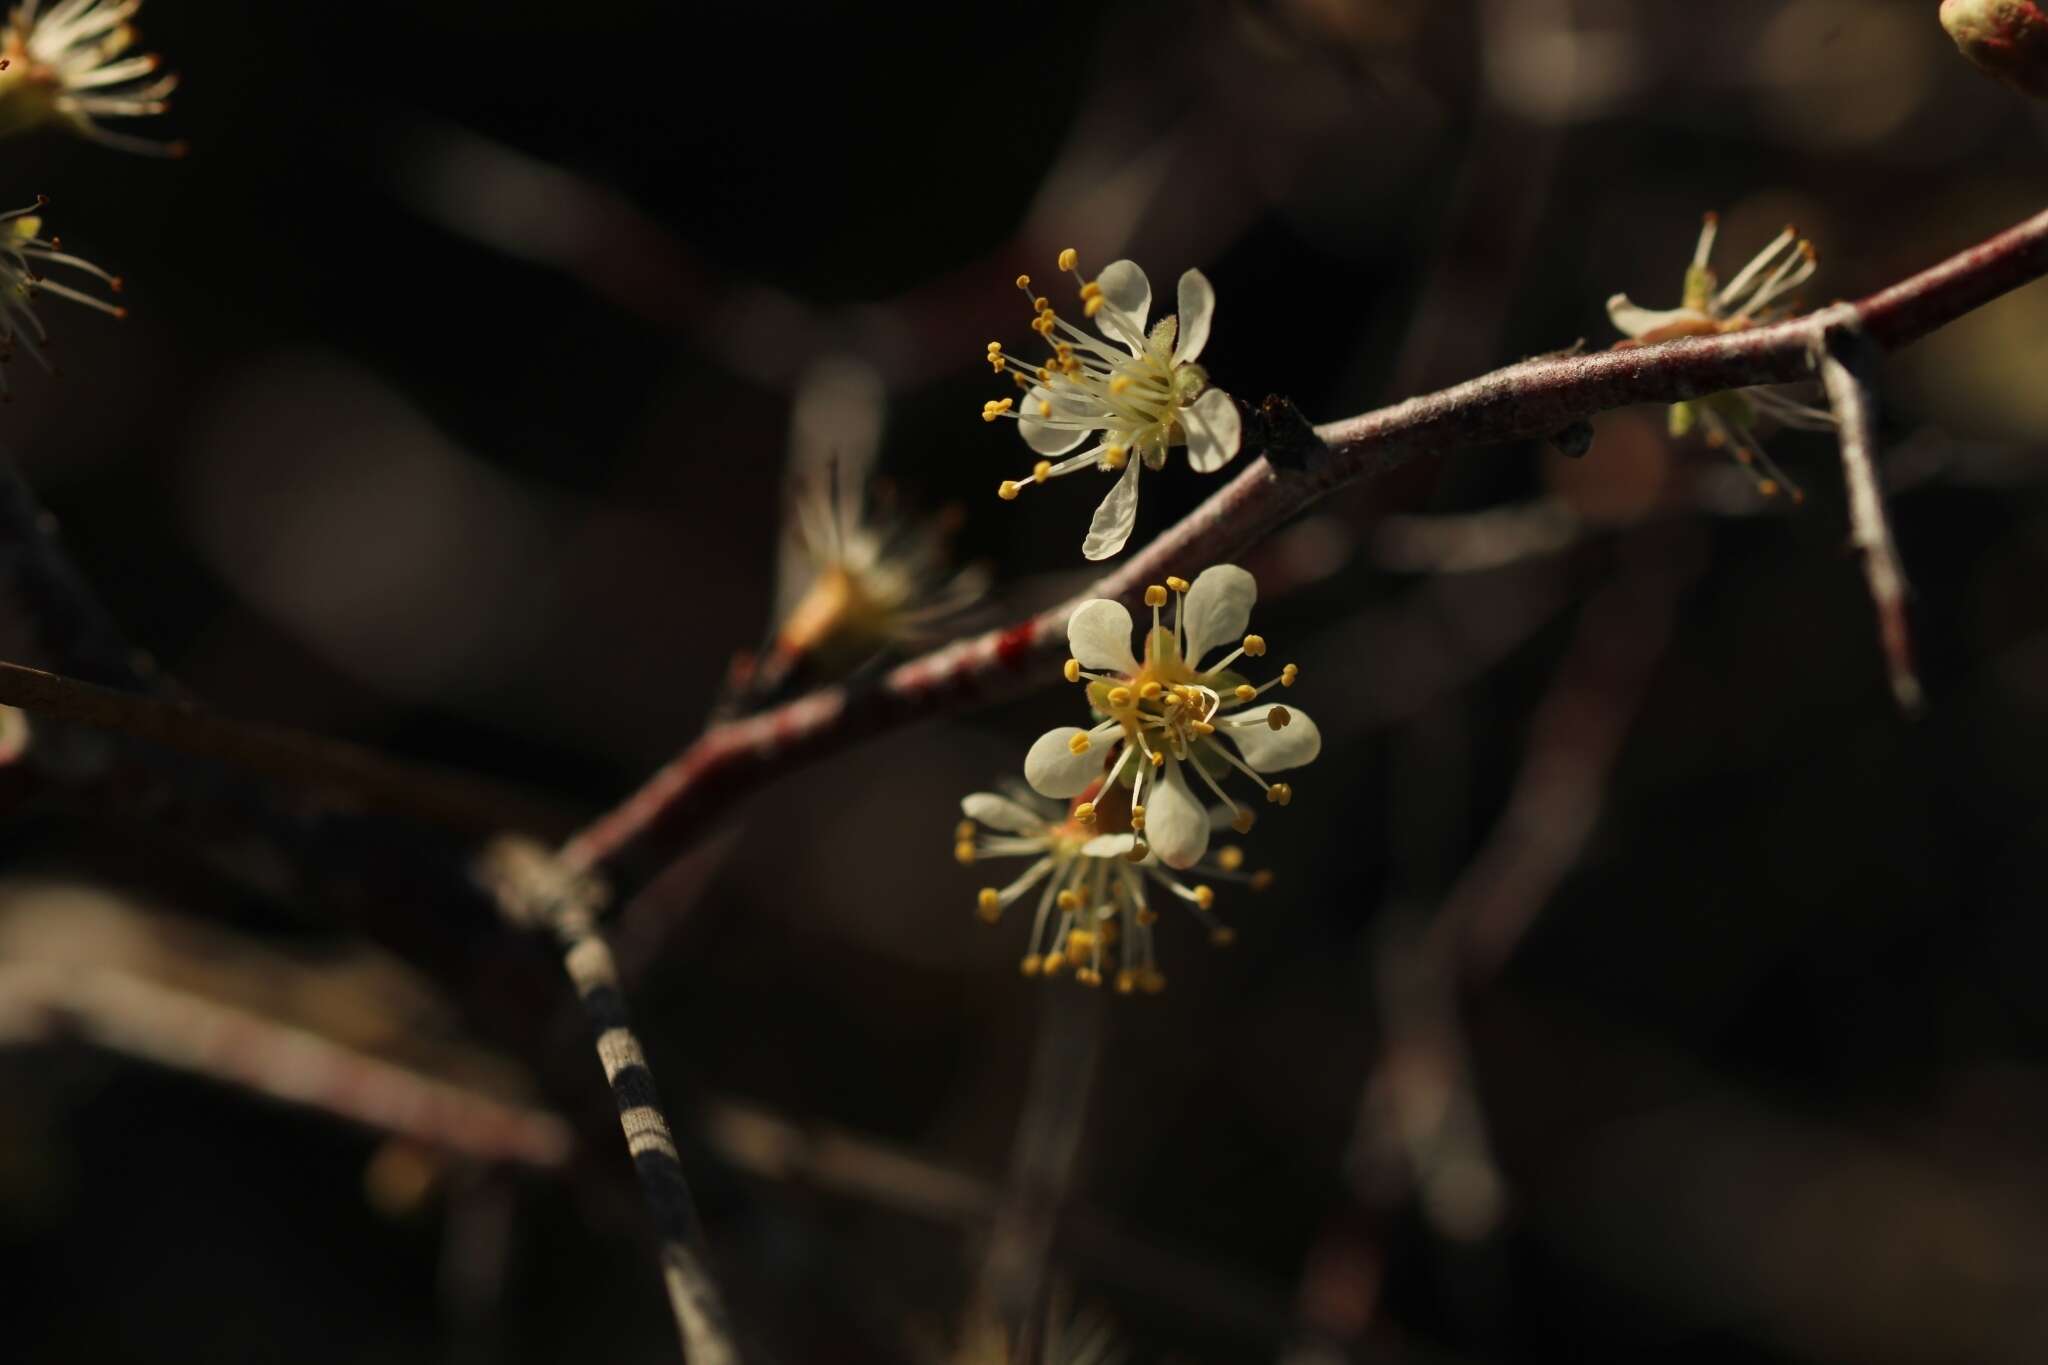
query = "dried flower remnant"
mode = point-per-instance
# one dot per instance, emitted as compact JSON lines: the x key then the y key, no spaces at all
{"x":20,"y":250}
{"x":71,"y":64}
{"x":1169,"y":713}
{"x":1710,"y":308}
{"x":2005,"y":39}
{"x":1087,"y":865}
{"x":1128,"y":409}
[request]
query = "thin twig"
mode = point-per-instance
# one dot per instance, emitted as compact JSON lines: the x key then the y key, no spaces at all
{"x":1531,"y":399}
{"x":533,"y":890}
{"x":368,"y":778}
{"x":1845,"y":364}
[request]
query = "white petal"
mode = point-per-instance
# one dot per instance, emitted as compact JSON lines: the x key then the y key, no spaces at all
{"x":1108,"y":846}
{"x":1099,"y":634}
{"x":1176,"y":825}
{"x":1054,"y":769}
{"x":1635,"y":321}
{"x":1218,"y":609}
{"x":1041,"y":437}
{"x":1270,"y":750}
{"x":1126,"y":301}
{"x":1000,"y":812}
{"x":1214,"y":431}
{"x":1197,"y":306}
{"x":1115,"y":517}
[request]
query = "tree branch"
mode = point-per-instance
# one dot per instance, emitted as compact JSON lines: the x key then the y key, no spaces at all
{"x":1532,"y":399}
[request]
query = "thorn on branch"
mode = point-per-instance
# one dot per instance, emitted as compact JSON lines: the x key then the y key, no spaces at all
{"x":1845,"y":358}
{"x":1288,"y":438}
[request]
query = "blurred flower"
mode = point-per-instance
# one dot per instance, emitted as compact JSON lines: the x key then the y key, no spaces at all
{"x":1709,"y":308}
{"x":1086,"y":1339}
{"x":1166,"y":716}
{"x":67,"y":63}
{"x":1140,"y":404}
{"x":1087,"y":864}
{"x":2005,"y":39}
{"x":20,"y":248}
{"x":855,"y":574}
{"x":15,"y":734}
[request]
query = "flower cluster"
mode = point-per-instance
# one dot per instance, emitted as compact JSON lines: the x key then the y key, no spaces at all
{"x":72,"y":64}
{"x":1128,"y":813}
{"x":21,"y":248}
{"x":1127,"y":396}
{"x":1708,"y":308}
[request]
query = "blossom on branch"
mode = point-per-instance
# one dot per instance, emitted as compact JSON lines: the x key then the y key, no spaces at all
{"x":1127,"y":402}
{"x":2005,"y":39}
{"x":20,"y":250}
{"x":1709,"y":308}
{"x":70,"y":64}
{"x":1088,"y":865}
{"x":1168,"y":715}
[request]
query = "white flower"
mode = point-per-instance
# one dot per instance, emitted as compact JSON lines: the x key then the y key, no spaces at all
{"x":1127,"y":402}
{"x":1169,"y":714}
{"x":1709,"y":308}
{"x":1087,"y":865}
{"x":69,"y":63}
{"x":20,"y":249}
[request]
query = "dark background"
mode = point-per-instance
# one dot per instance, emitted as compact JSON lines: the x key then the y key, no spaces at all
{"x":450,"y":417}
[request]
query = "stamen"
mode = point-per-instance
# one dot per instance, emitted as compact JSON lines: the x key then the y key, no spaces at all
{"x":1246,"y":692}
{"x":989,"y":904}
{"x":1078,"y":745}
{"x":1288,"y":675}
{"x":1069,"y":259}
{"x":1280,"y":793}
{"x":1255,"y":645}
{"x":1008,"y":490}
{"x":1041,"y":471}
{"x":1071,"y":670}
{"x":1278,"y":717}
{"x":1155,"y":596}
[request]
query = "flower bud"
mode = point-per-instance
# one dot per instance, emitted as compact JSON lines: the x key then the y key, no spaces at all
{"x":2005,"y":39}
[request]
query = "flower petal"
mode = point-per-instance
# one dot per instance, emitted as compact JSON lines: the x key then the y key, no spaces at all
{"x":1633,"y":320}
{"x":1270,"y":750}
{"x":1114,"y":518}
{"x":1214,"y":431}
{"x":1218,"y":609}
{"x":1038,"y":427}
{"x":1099,"y":634}
{"x":1197,"y":306}
{"x":1176,"y":825}
{"x":1000,"y":812}
{"x":1108,"y":846}
{"x":1126,"y":301}
{"x":1054,"y":769}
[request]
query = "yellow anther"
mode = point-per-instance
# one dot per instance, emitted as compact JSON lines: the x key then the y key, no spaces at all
{"x":1288,"y":675}
{"x":995,"y":363}
{"x":1069,"y":259}
{"x":1041,"y":471}
{"x":1126,"y":981}
{"x":988,"y":904}
{"x":995,"y":348}
{"x":1246,"y":692}
{"x":1255,"y":645}
{"x":1008,"y":490}
{"x":1138,"y":851}
{"x":1069,"y":900}
{"x":1088,"y":976}
{"x":1280,"y":793}
{"x":1243,"y":821}
{"x":1150,"y":691}
{"x":1223,"y":936}
{"x":1071,"y":670}
{"x":1092,"y":307}
{"x":1091,"y":290}
{"x":1230,"y":857}
{"x":1042,"y":304}
{"x":963,"y":852}
{"x":1204,"y":897}
{"x":1109,"y":931}
{"x":1029,"y":966}
{"x":1079,"y":744}
{"x":1152,"y":981}
{"x":1148,"y":917}
{"x":1044,"y":375}
{"x":1137,"y":819}
{"x":1020,"y":381}
{"x":1044,"y":407}
{"x":1023,"y":281}
{"x":1202,"y":727}
{"x":1116,"y":457}
{"x":1119,"y":696}
{"x":1172,"y":698}
{"x":1052,"y":964}
{"x":1262,"y":879}
{"x":1278,"y":717}
{"x":1085,"y":812}
{"x":1158,"y":758}
{"x":964,"y":830}
{"x":1118,"y":385}
{"x":1176,"y":584}
{"x":1080,"y":944}
{"x":1155,"y":595}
